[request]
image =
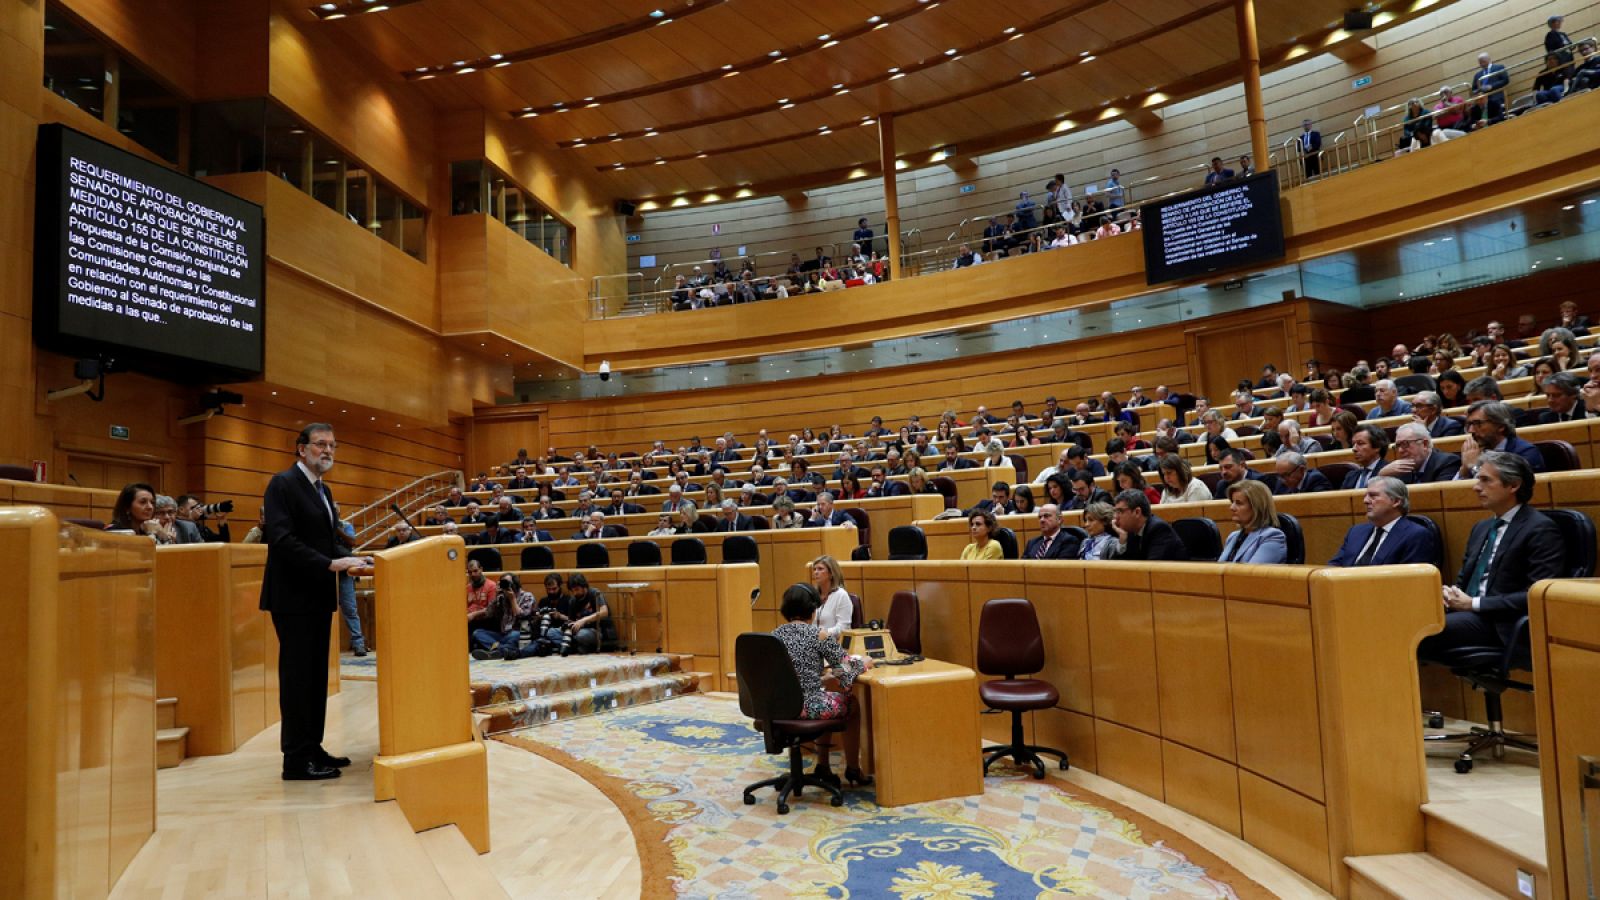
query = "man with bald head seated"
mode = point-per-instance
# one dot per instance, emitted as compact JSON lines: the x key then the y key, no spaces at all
{"x":1295,"y":475}
{"x":1387,"y":537}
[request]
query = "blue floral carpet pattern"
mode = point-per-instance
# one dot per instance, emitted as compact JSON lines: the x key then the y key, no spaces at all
{"x":688,"y":760}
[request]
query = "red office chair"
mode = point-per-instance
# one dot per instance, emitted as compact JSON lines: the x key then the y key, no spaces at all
{"x":1009,"y":644}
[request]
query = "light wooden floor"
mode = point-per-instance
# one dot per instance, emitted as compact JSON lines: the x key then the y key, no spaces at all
{"x":229,"y":827}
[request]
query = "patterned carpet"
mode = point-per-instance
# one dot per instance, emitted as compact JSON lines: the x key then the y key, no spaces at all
{"x":678,"y":770}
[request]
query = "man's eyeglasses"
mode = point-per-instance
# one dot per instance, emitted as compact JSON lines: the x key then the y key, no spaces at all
{"x":1474,"y":423}
{"x":1121,"y":509}
{"x":1407,"y":443}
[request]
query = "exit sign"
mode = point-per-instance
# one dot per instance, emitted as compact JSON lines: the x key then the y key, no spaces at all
{"x":633,"y":238}
{"x":967,"y":188}
{"x":1361,"y":82}
{"x":119,"y":432}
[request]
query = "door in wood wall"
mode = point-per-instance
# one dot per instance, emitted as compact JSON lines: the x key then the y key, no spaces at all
{"x":110,"y":472}
{"x":1224,"y":356}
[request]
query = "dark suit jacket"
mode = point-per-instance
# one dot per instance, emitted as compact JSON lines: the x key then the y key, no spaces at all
{"x":741,"y":522}
{"x":300,"y":546}
{"x":1361,"y":393}
{"x":890,"y":489}
{"x":1527,"y":451}
{"x":1312,"y":483}
{"x":1407,"y":542}
{"x":1220,"y":492}
{"x":839,"y":517}
{"x":1440,"y":466}
{"x":1352,"y":481}
{"x":507,"y":536}
{"x":960,"y":463}
{"x":1549,"y":417}
{"x":1530,"y":551}
{"x":1065,"y":547}
{"x":623,"y":510}
{"x":1158,"y":542}
{"x":555,"y":512}
{"x":1444,"y":426}
{"x":606,"y":531}
{"x":1095,"y":496}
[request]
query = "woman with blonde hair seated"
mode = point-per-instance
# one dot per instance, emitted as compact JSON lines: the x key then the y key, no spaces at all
{"x":1258,"y":540}
{"x":981,"y":524}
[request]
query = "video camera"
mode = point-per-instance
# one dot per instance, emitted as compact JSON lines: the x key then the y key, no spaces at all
{"x":207,"y":510}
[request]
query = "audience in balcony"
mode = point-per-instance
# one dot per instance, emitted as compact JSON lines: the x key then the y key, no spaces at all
{"x":1218,"y":174}
{"x":1550,"y":85}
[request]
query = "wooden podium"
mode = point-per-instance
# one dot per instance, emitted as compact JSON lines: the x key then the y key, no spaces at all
{"x":428,"y":758}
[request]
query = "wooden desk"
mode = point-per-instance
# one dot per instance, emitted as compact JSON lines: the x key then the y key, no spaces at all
{"x":920,"y":738}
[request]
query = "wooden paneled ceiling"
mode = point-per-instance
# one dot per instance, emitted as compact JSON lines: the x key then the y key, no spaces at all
{"x":665,"y":98}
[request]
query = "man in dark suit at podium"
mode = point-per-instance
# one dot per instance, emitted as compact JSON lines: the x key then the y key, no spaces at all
{"x":299,"y":589}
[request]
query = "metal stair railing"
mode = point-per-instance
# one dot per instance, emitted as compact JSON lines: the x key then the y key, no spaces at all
{"x":374,"y":520}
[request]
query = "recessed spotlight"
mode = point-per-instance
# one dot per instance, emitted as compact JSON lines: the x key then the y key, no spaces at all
{"x":873,"y":20}
{"x":727,"y":67}
{"x":656,"y":13}
{"x":775,"y":53}
{"x":1568,"y":208}
{"x":274,"y":393}
{"x":829,"y":44}
{"x":951,"y":52}
{"x":787,"y":106}
{"x":823,"y":37}
{"x":1011,"y":30}
{"x":1589,"y":201}
{"x":894,"y":70}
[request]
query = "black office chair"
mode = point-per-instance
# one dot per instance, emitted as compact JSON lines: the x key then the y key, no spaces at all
{"x":488,"y":558}
{"x":1201,"y":538}
{"x":537,"y":557}
{"x":1295,"y":539}
{"x":905,"y":622}
{"x":1432,"y":528}
{"x":1010,"y":644}
{"x":1559,"y":456}
{"x":1008,"y":542}
{"x":1415,"y":383}
{"x":946,"y":485}
{"x":760,"y":523}
{"x":593,"y":556}
{"x":863,"y":525}
{"x":907,"y":542}
{"x":556,"y":496}
{"x":769,"y":693}
{"x":1336,"y":472}
{"x":1489,"y":668}
{"x":1021,"y":465}
{"x":740,"y":548}
{"x":644,"y":553}
{"x":688,"y":551}
{"x":618,"y":530}
{"x":861,"y":553}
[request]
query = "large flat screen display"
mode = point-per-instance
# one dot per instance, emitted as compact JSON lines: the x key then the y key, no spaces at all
{"x":135,"y":261}
{"x":1237,"y":223}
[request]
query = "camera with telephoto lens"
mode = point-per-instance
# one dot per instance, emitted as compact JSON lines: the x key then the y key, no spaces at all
{"x":207,"y":510}
{"x":547,"y":622}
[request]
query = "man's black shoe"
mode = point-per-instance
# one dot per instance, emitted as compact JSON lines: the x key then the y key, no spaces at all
{"x":331,"y":761}
{"x":309,"y":771}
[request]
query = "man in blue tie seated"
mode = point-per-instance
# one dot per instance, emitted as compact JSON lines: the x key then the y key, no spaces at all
{"x":1387,"y":537}
{"x":1295,"y":476}
{"x":1232,"y":468}
{"x":1369,"y":445}
{"x":825,"y":516}
{"x":1505,"y":555}
{"x":529,"y":533}
{"x":1052,"y":542}
{"x":1492,"y":425}
{"x":1416,"y":461}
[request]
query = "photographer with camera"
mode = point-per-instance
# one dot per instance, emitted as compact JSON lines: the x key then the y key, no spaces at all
{"x":192,"y":516}
{"x":544,"y":632}
{"x":498,"y":636}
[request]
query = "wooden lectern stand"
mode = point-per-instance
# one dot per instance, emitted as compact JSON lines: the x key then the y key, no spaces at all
{"x":428,"y":758}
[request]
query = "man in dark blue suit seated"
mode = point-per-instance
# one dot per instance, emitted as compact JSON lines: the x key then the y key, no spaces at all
{"x":883,"y":487}
{"x":529,"y":533}
{"x":1140,"y":535}
{"x":1233,"y":467}
{"x":1418,"y":462}
{"x":1295,"y":475}
{"x":824,"y":515}
{"x":1505,"y":555}
{"x":1562,"y":390}
{"x":1492,"y":425}
{"x":1369,"y":445}
{"x":1427,"y":408}
{"x":620,"y":506}
{"x":1052,"y":542}
{"x":1387,"y":537}
{"x":1079,"y":459}
{"x":953,"y":460}
{"x":1084,"y":491}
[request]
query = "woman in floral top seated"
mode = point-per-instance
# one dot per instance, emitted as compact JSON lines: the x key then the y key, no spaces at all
{"x":811,"y":653}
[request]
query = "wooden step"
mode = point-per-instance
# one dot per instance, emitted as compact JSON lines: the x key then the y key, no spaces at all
{"x":1495,"y":842}
{"x":1411,"y":876}
{"x":167,"y":713}
{"x":172,"y":747}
